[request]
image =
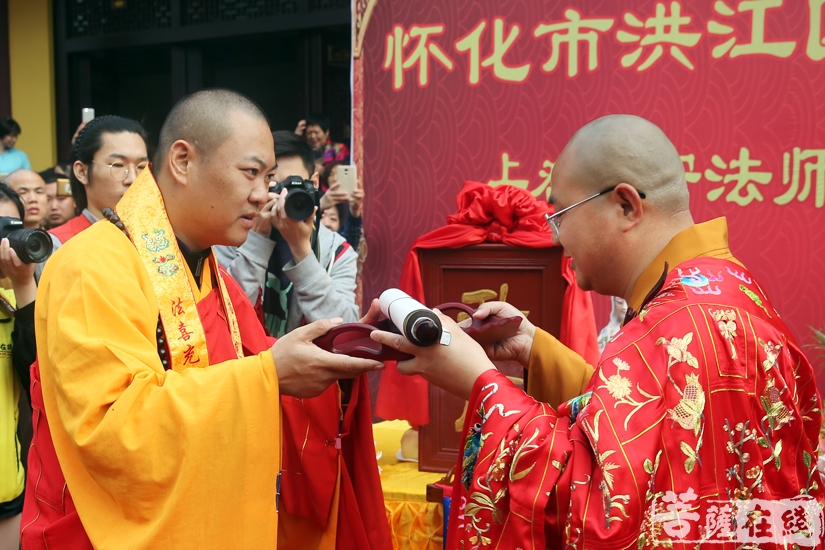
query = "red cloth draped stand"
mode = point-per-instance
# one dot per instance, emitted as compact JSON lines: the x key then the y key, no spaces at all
{"x":504,"y":214}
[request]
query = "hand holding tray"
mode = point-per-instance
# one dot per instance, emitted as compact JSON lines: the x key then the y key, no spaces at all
{"x":353,"y":339}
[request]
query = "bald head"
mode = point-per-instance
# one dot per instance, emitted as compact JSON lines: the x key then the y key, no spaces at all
{"x":24,"y":178}
{"x":31,"y":189}
{"x":627,"y":149}
{"x":202,"y":119}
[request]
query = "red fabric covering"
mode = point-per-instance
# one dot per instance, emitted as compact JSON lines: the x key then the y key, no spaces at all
{"x":310,"y":466}
{"x":70,"y":228}
{"x":504,"y":214}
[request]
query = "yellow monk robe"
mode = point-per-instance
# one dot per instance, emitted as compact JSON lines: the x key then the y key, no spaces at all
{"x":153,"y":458}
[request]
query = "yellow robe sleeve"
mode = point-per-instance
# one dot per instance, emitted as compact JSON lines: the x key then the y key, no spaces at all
{"x":152,"y":458}
{"x":555,"y":373}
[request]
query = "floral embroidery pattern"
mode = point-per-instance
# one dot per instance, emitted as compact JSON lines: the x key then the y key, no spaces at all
{"x":772,"y":352}
{"x":651,"y":530}
{"x":677,"y":351}
{"x":726,"y":323}
{"x":737,"y":438}
{"x":689,"y":414}
{"x":776,"y":412}
{"x":504,"y":465}
{"x":777,"y":415}
{"x":606,"y":485}
{"x":620,"y":389}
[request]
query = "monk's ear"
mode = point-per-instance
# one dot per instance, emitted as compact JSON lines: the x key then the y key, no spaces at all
{"x":180,"y":160}
{"x":631,"y":203}
{"x":81,"y":172}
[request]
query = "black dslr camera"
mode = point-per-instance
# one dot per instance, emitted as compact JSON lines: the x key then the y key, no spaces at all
{"x":301,"y":199}
{"x":32,"y":245}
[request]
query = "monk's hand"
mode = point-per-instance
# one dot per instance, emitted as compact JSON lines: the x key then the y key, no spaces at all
{"x":518,"y":346}
{"x":454,"y":367}
{"x":305,"y":370}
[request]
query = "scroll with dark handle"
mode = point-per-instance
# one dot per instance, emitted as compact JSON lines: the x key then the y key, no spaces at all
{"x":353,"y":339}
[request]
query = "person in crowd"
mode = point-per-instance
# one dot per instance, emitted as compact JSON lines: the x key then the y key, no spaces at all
{"x":108,"y":139}
{"x":157,"y":450}
{"x":11,"y":158}
{"x":17,"y":293}
{"x":332,"y":492}
{"x":109,"y":153}
{"x":31,"y":189}
{"x":62,"y":207}
{"x":345,"y":217}
{"x":316,"y":131}
{"x":277,"y":266}
{"x":704,"y":396}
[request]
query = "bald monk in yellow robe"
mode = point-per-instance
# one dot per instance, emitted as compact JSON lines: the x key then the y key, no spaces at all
{"x":160,"y":388}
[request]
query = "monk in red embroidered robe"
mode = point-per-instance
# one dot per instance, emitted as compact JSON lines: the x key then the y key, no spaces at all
{"x":700,"y":423}
{"x":161,"y":389}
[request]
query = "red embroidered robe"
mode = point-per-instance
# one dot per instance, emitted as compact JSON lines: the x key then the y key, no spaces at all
{"x":700,"y":405}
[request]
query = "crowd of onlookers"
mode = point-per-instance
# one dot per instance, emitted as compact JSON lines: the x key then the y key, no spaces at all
{"x":293,"y":271}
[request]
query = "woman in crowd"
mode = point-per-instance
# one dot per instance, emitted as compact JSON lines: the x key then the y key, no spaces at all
{"x":335,"y":214}
{"x":316,"y":131}
{"x":11,"y":159}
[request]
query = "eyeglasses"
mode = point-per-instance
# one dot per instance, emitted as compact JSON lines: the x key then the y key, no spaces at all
{"x":120,"y":171}
{"x":554,"y":221}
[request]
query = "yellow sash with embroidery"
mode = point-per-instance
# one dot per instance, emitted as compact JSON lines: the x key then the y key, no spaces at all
{"x":143,"y":212}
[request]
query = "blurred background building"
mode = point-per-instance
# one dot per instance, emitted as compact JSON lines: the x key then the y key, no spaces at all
{"x":136,"y":58}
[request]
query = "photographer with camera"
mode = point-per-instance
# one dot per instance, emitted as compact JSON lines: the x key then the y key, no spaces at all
{"x":287,"y":273}
{"x":297,"y":270}
{"x":17,"y":292}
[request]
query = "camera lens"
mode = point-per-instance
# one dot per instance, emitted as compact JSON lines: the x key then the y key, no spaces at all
{"x":31,"y":245}
{"x":299,"y":205}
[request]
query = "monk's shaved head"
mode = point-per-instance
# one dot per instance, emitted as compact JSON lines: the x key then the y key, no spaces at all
{"x":202,"y":120}
{"x":628,"y":149}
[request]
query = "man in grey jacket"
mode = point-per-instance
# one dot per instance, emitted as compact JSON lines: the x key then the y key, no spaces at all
{"x":277,"y":267}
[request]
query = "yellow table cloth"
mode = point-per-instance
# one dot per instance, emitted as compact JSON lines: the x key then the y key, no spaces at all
{"x":415,"y":523}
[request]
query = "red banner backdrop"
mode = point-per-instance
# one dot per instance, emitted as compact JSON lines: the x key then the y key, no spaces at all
{"x":491,"y":91}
